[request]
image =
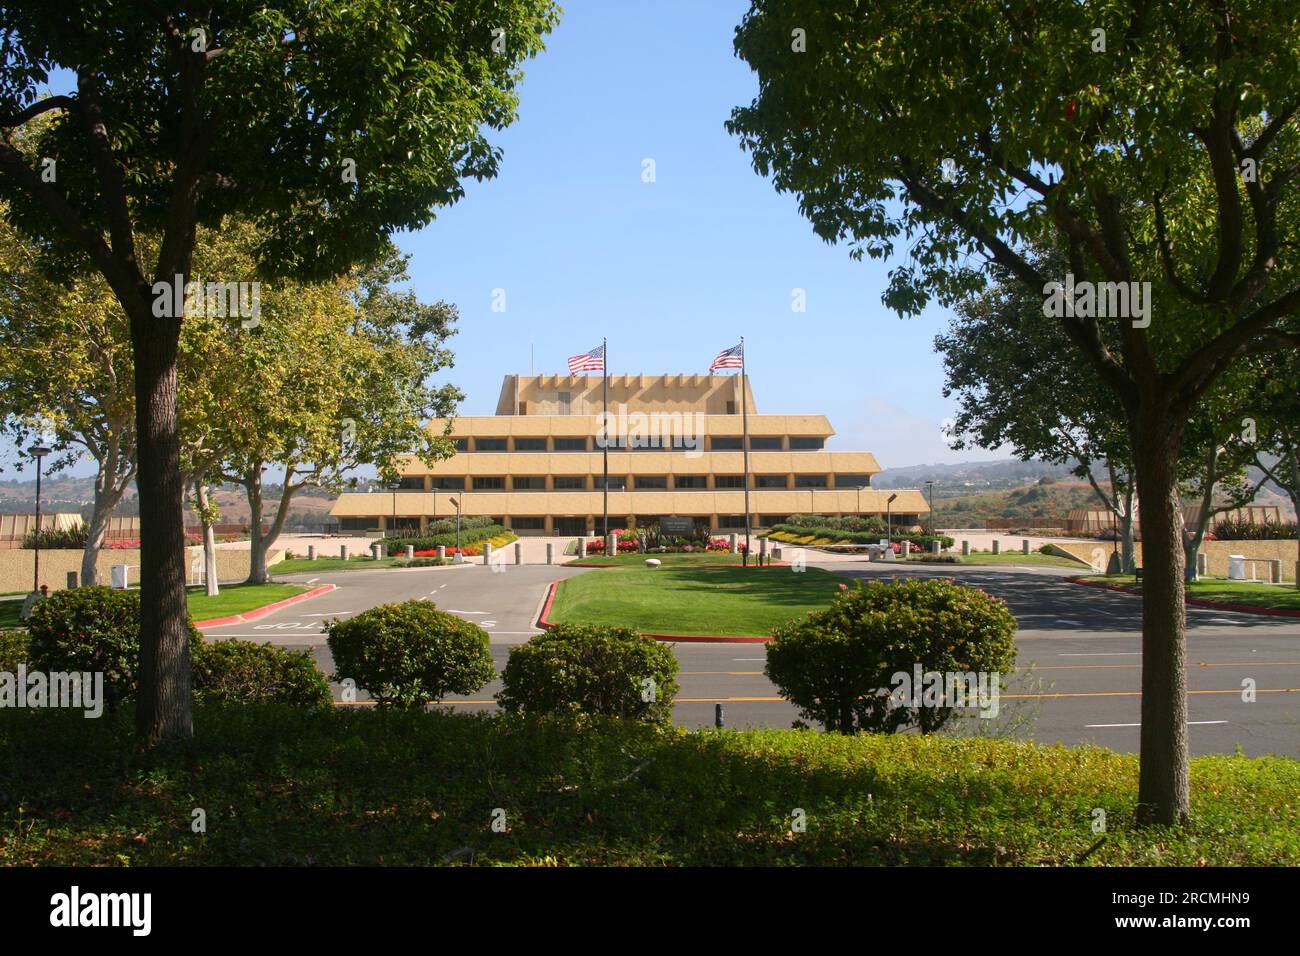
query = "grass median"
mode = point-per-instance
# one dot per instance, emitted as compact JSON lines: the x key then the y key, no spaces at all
{"x":233,"y":599}
{"x":689,"y":599}
{"x":1248,"y":593}
{"x":367,"y":787}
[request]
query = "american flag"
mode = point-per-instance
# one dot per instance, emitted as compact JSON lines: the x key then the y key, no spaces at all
{"x":593,"y":361}
{"x":729,"y":358}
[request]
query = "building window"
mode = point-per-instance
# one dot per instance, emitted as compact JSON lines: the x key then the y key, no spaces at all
{"x":650,"y":481}
{"x":769,"y":481}
{"x":358,"y":524}
{"x":489,"y":484}
{"x":570,"y":483}
{"x":448,"y":483}
{"x":810,"y":481}
{"x":462,"y":444}
{"x":690,"y":481}
{"x":615,"y":483}
{"x":530,"y":483}
{"x":489,"y":444}
{"x":612,"y":442}
{"x":404,"y":525}
{"x":767,"y":521}
{"x":728,"y":481}
{"x":527,"y":523}
{"x":569,"y":525}
{"x":806,"y":444}
{"x":570,"y":444}
{"x":731,"y":521}
{"x":852,"y":481}
{"x":765,"y":443}
{"x":530,"y":444}
{"x":411,"y":484}
{"x":726,"y":443}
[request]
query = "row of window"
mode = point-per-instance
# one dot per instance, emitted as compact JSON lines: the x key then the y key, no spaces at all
{"x":639,"y":482}
{"x":560,"y":524}
{"x":678,"y":443}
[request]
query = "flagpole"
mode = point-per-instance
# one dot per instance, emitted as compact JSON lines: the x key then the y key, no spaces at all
{"x":604,"y":368}
{"x":744,"y":427}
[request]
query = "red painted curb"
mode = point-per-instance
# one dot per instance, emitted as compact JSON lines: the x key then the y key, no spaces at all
{"x":1197,"y":602}
{"x":542,"y":622}
{"x":257,"y":612}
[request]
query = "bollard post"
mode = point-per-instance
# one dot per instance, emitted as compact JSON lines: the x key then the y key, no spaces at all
{"x":611,"y":545}
{"x":519,"y":553}
{"x":487,"y":552}
{"x":934,"y":547}
{"x":311,"y":552}
{"x":1275,"y":571}
{"x":1024,"y":546}
{"x":965,"y":548}
{"x":376,"y":550}
{"x":72,"y":579}
{"x":997,"y":546}
{"x":1202,"y":564}
{"x":343,"y":552}
{"x":762,"y":551}
{"x":582,"y":547}
{"x":735,"y":543}
{"x":719,"y":717}
{"x":409,"y":551}
{"x":442,"y":552}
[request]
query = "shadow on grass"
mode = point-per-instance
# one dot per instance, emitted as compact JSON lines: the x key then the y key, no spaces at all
{"x":372,"y":787}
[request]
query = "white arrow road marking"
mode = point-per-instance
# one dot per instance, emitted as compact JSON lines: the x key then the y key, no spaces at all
{"x":452,"y":610}
{"x":313,"y":580}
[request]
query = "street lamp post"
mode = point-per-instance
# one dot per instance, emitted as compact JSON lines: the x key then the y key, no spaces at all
{"x":889,"y":519}
{"x":456,"y":502}
{"x":929,"y":488}
{"x":38,"y":452}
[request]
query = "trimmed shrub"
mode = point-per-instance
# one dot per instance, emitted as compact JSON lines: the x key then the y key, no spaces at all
{"x":411,"y":653}
{"x":56,"y":539}
{"x":91,"y":629}
{"x":423,"y":562}
{"x":575,"y":668}
{"x":838,"y":666}
{"x":815,"y":532}
{"x":242,"y":672}
{"x":1232,"y":529}
{"x":396,"y":547}
{"x":13,"y":649}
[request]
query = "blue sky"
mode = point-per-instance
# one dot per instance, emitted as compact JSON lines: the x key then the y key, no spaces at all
{"x":675,"y":270}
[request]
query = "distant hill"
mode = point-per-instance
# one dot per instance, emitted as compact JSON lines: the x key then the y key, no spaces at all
{"x":1054,"y":500}
{"x":967,"y":477}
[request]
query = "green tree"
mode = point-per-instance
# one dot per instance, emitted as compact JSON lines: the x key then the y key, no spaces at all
{"x":331,"y":125}
{"x":1151,"y":143}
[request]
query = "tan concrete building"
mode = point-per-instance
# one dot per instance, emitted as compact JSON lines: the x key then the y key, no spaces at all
{"x":675,"y":450}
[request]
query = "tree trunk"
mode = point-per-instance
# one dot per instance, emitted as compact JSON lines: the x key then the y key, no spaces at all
{"x":163,"y":710}
{"x":105,"y":502}
{"x":209,"y":540}
{"x":257,"y":573}
{"x":1163,"y":787}
{"x":1128,"y":550}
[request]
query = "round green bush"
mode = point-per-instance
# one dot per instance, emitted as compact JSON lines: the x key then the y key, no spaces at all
{"x":241,"y":672}
{"x":13,"y":649}
{"x":411,"y":653}
{"x":592,"y":670}
{"x":838,"y":665}
{"x":91,"y":629}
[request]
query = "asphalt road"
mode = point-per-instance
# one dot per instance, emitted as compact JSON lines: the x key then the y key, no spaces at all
{"x":1079,"y":663}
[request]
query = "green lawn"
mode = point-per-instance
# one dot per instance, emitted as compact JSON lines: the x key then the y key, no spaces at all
{"x":233,"y":599}
{"x":1019,"y":558}
{"x":355,"y":563}
{"x":667,"y":560}
{"x":238,"y":598}
{"x":679,"y":599}
{"x":1216,"y":589}
{"x":364,"y":787}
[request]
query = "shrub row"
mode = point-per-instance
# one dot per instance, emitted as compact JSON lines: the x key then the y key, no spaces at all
{"x":97,"y":629}
{"x":447,"y":539}
{"x":1231,"y":529}
{"x":860,"y":537}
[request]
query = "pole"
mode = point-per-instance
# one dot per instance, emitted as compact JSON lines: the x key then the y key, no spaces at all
{"x":36,"y":572}
{"x":604,"y":403}
{"x":744,"y":427}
